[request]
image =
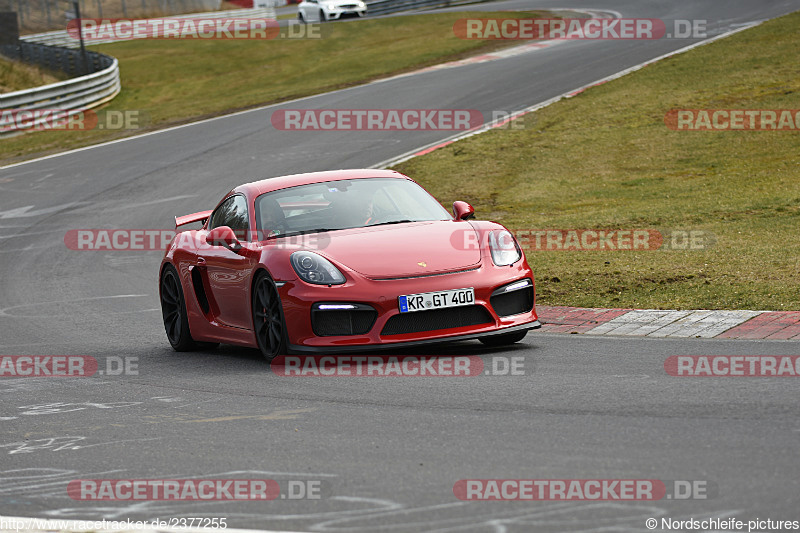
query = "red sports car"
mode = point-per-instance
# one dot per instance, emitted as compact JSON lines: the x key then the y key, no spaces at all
{"x":340,"y":261}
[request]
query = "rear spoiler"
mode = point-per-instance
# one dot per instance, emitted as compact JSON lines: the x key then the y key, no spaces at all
{"x":202,"y":216}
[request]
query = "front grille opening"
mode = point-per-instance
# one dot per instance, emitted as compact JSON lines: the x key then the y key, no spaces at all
{"x":328,"y":323}
{"x":512,"y":302}
{"x":452,"y":317}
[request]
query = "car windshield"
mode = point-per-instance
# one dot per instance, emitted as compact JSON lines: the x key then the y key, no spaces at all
{"x":344,"y":204}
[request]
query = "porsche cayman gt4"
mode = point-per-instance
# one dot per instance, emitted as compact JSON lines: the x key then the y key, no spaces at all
{"x":342,"y":261}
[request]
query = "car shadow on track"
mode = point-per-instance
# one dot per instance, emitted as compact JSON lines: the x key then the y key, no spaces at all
{"x":229,"y":359}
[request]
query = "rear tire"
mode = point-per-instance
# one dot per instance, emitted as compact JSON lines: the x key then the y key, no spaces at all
{"x":504,"y":339}
{"x":173,"y":311}
{"x":300,"y":18}
{"x":268,"y":322}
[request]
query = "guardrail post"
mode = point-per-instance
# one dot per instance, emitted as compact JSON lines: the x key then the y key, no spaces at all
{"x":21,"y":14}
{"x":9,"y":28}
{"x":77,"y":7}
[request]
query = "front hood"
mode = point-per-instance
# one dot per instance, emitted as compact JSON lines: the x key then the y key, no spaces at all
{"x":402,"y":250}
{"x":340,"y":3}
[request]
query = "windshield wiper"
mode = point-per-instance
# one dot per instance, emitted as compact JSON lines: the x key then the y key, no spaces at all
{"x":390,"y":222}
{"x":301,"y":232}
{"x":321,"y":230}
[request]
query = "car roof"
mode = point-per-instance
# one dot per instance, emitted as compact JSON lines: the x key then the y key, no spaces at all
{"x":256,"y":188}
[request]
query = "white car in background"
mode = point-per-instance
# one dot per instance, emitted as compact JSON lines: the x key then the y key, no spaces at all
{"x":322,"y":10}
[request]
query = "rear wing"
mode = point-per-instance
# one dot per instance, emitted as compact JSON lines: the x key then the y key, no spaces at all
{"x":202,"y":216}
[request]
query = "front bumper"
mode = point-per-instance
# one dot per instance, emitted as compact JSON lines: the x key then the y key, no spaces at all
{"x":341,"y":13}
{"x":410,"y":344}
{"x":298,"y":299}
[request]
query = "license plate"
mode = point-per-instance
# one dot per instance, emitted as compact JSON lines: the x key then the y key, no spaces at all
{"x":436,"y":300}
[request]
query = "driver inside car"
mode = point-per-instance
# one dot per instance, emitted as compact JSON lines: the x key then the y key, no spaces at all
{"x":273,"y":219}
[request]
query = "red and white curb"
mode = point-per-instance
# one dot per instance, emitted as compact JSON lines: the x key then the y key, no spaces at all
{"x":773,"y":325}
{"x":512,"y":51}
{"x":770,"y":325}
{"x":529,"y":47}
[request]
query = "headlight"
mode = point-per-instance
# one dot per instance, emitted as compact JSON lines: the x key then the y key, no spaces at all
{"x":314,"y":268}
{"x":504,"y":248}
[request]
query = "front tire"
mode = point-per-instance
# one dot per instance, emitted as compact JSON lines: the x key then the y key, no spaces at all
{"x":504,"y":339}
{"x":322,"y":17}
{"x":268,"y":323}
{"x":173,"y":311}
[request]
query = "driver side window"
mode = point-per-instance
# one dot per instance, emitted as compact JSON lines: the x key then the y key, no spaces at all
{"x":232,"y":213}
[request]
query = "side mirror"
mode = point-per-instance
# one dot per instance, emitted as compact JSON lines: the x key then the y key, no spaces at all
{"x":223,"y":236}
{"x":462,"y":210}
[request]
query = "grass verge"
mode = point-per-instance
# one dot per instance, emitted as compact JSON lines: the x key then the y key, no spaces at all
{"x":174,"y":82}
{"x":16,"y":76}
{"x":606,"y":159}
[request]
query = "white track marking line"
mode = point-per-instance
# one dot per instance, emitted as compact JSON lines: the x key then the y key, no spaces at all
{"x":255,"y":109}
{"x":568,"y":94}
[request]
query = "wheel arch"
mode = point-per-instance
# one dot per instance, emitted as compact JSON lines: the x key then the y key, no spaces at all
{"x":164,"y":265}
{"x":261,"y":268}
{"x":256,"y":273}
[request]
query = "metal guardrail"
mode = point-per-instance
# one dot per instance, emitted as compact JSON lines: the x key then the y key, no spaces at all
{"x":63,"y":39}
{"x":58,"y":51}
{"x":46,"y":15}
{"x":72,"y":96}
{"x":383,"y":7}
{"x":56,"y":57}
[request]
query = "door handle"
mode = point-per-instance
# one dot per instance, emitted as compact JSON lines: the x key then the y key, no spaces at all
{"x":201,"y":261}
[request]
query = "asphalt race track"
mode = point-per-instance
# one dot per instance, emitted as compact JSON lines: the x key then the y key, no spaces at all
{"x":386,"y":452}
